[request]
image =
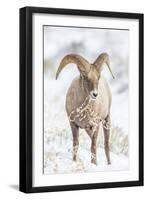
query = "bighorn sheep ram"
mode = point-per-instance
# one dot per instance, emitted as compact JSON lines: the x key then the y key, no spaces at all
{"x":88,"y":102}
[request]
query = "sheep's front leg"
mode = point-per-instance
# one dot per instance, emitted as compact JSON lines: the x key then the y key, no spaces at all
{"x":94,"y":147}
{"x":75,"y":133}
{"x":106,"y":128}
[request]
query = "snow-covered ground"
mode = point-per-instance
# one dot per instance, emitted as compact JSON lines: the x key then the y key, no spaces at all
{"x":60,"y":160}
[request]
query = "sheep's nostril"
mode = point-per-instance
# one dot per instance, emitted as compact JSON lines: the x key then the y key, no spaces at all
{"x":95,"y":94}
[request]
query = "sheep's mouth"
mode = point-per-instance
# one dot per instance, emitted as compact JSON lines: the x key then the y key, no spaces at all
{"x":93,"y":97}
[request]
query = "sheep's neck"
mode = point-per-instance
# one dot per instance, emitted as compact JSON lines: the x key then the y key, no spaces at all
{"x":86,"y":112}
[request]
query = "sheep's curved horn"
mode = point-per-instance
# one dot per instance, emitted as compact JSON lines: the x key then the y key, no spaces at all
{"x":82,"y":64}
{"x":103,"y":58}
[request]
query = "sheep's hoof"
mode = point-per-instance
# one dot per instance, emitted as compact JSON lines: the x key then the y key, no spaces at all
{"x":75,"y":158}
{"x":93,"y":161}
{"x":109,"y":162}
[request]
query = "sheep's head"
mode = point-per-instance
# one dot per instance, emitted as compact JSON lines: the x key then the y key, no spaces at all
{"x":90,"y":73}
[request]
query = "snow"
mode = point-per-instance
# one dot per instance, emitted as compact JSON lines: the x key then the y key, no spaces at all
{"x":58,"y":157}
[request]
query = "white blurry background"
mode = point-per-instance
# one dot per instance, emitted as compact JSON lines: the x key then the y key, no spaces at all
{"x":58,"y":42}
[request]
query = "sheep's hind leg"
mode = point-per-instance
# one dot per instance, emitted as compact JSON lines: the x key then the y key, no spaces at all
{"x":106,"y":128}
{"x":75,"y":133}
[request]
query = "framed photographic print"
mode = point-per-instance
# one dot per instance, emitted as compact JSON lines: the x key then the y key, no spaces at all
{"x":81,"y":99}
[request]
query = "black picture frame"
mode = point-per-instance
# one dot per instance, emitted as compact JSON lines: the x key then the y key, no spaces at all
{"x":26,"y":90}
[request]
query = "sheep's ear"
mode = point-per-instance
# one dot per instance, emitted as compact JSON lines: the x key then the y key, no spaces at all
{"x":101,"y":60}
